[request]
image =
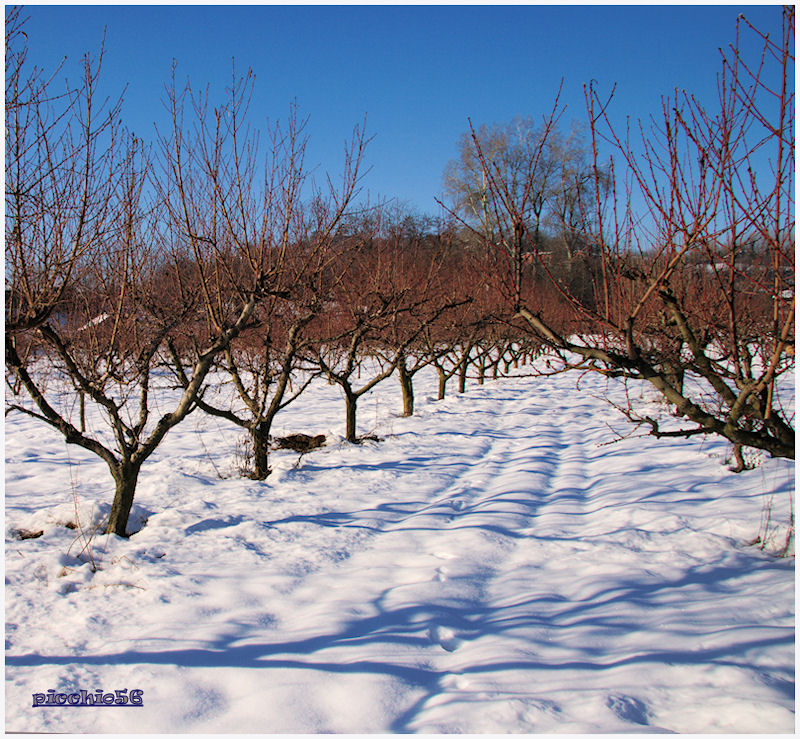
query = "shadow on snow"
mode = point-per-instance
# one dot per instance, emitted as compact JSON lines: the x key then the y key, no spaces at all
{"x":416,"y":627}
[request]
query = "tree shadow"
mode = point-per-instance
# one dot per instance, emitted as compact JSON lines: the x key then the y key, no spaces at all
{"x":422,"y":629}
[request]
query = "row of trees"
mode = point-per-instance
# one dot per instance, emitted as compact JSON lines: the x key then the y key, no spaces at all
{"x":121,"y":257}
{"x":698,"y":281}
{"x":132,"y":269}
{"x":136,"y":268}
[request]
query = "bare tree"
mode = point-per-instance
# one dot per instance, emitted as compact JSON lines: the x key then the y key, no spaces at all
{"x":452,"y":341}
{"x":427,"y":262}
{"x":265,"y":363}
{"x":252,"y":238}
{"x":542,"y":169}
{"x":109,"y":260}
{"x":376,"y":313}
{"x":100,"y":340}
{"x":701,"y":286}
{"x":260,"y":364}
{"x":78,"y":269}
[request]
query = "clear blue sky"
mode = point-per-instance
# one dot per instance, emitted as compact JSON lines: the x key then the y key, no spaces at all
{"x":417,"y":72}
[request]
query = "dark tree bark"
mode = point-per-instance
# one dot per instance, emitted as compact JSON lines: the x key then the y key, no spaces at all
{"x":125,"y":475}
{"x":407,"y":387}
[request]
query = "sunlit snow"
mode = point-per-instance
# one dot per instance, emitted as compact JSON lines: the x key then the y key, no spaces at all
{"x":500,"y":562}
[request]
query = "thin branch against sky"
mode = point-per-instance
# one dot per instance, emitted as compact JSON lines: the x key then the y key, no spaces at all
{"x":417,"y":72}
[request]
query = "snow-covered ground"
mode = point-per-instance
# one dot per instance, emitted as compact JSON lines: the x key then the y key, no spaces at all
{"x":493,"y":565}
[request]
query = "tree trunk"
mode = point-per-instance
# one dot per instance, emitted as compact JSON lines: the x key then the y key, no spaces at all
{"x":674,"y":375}
{"x":741,"y":465}
{"x":350,"y":409}
{"x":462,"y":372}
{"x":260,"y":435}
{"x":125,"y":478}
{"x":407,"y":386}
{"x":442,"y":382}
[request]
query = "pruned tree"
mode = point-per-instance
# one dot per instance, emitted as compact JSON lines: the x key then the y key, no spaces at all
{"x":83,"y":313}
{"x":427,"y":261}
{"x":260,"y":366}
{"x":100,"y":342}
{"x":252,"y":237}
{"x":377,"y":312}
{"x":265,"y":365}
{"x":452,"y":341}
{"x":108,"y":260}
{"x":695,"y":295}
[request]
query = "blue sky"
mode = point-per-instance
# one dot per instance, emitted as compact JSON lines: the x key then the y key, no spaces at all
{"x":416,"y":72}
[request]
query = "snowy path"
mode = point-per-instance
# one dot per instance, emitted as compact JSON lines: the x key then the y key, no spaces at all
{"x":492,"y":566}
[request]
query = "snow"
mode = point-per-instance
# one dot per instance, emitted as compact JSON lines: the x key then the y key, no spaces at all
{"x":501,"y":562}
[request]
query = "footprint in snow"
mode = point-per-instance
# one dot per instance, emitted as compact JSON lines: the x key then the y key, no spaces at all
{"x":444,"y":637}
{"x":629,"y":709}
